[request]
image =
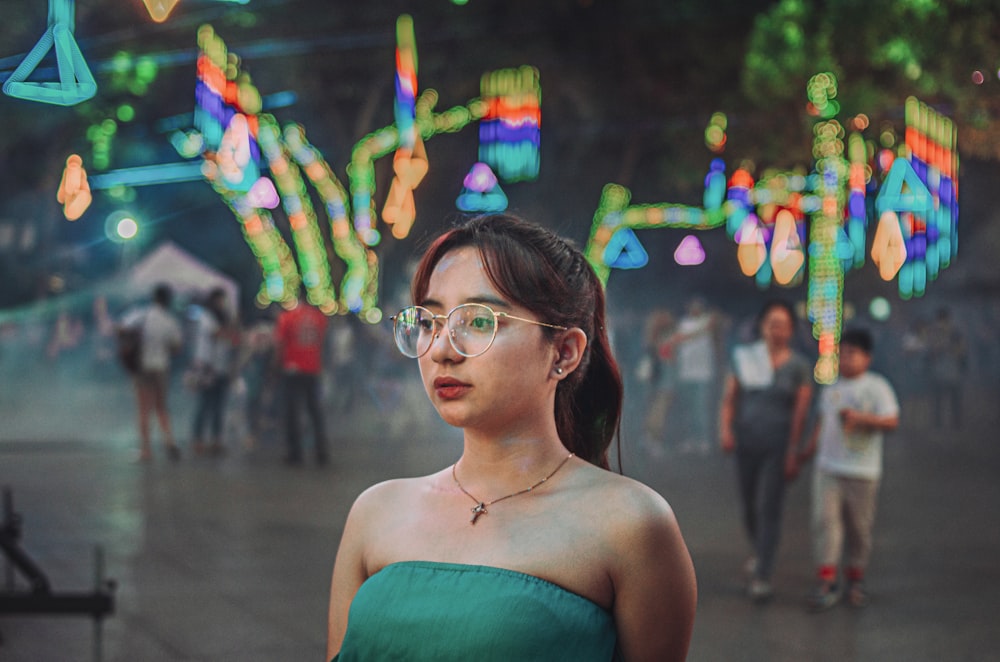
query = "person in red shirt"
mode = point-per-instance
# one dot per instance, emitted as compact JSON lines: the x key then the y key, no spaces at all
{"x":299,"y":337}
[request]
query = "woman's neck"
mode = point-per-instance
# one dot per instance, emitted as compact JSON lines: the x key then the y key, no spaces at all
{"x":778,"y":351}
{"x":495,"y":464}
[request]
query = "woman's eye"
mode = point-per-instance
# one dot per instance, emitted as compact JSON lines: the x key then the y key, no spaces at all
{"x":482,"y":323}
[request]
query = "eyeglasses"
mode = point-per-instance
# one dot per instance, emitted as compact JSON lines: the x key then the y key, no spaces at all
{"x":472,"y":328}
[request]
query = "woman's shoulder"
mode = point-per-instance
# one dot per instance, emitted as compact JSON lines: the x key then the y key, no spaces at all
{"x":627,"y":502}
{"x":389,"y":493}
{"x":635,"y":527}
{"x":394,"y":488}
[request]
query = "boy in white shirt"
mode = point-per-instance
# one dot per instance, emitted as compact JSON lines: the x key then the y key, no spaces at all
{"x":854,"y":415}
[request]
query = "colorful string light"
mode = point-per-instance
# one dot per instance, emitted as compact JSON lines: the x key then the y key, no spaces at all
{"x":481,"y":192}
{"x":359,"y":286}
{"x":751,"y":247}
{"x":509,"y":134}
{"x":148,"y":175}
{"x":830,"y":251}
{"x":787,"y":254}
{"x":361,"y":170}
{"x":236,"y":142}
{"x":858,"y":177}
{"x":410,"y":161}
{"x":888,"y":245}
{"x":404,"y":108}
{"x":917,"y":207}
{"x":351,"y":241}
{"x":76,"y":82}
{"x":614,"y":215}
{"x":310,"y":250}
{"x":232,"y":156}
{"x":74,"y":191}
{"x":689,"y":252}
{"x":159,"y":10}
{"x":234,"y":137}
{"x":922,"y":187}
{"x":409,"y":169}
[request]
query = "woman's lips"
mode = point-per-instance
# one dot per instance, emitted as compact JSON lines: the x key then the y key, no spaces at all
{"x":448,"y":388}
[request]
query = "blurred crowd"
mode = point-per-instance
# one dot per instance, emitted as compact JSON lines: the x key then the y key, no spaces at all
{"x":674,"y":362}
{"x":223,"y":361}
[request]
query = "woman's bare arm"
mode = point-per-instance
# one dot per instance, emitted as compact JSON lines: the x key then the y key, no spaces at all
{"x":349,"y":571}
{"x":655,"y":588}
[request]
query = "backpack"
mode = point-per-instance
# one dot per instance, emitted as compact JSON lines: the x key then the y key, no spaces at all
{"x":130,"y":348}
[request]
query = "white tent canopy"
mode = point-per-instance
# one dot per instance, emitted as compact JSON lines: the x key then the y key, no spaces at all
{"x":187,"y":275}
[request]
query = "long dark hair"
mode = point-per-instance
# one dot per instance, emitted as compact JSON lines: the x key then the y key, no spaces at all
{"x":772,"y":304}
{"x":542,"y":272}
{"x":216,"y":305}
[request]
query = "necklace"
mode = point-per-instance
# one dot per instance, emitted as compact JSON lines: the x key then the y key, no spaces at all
{"x":480,"y":507}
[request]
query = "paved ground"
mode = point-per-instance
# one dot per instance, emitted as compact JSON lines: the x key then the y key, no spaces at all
{"x":230,"y":559}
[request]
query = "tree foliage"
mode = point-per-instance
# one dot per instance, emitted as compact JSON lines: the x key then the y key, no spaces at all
{"x":883,"y":51}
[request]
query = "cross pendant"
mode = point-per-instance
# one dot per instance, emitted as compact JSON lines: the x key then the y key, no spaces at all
{"x":479,"y":509}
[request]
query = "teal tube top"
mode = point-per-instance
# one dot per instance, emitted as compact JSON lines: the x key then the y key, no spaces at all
{"x":420,"y":610}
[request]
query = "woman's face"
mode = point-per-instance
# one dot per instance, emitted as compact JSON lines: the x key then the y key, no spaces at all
{"x":776,"y":327}
{"x":510,"y":384}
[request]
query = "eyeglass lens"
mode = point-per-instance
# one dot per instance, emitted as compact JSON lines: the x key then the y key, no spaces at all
{"x":471,"y":329}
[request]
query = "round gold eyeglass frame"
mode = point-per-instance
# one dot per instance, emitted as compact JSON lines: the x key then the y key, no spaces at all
{"x":415,"y":328}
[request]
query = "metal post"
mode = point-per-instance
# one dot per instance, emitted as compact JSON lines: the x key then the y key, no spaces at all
{"x":8,"y":523}
{"x":98,"y":587}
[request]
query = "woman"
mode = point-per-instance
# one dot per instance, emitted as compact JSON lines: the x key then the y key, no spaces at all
{"x":660,"y":352}
{"x":153,"y":336}
{"x":216,"y":338}
{"x":527,"y":547}
{"x":764,"y":406}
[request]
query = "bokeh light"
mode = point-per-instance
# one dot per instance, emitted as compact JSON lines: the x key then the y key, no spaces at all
{"x":127,"y":228}
{"x":715,"y":133}
{"x":125,"y":112}
{"x":689,"y":252}
{"x":481,"y":192}
{"x":879,"y":309}
{"x":510,"y":134}
{"x":121,"y":226}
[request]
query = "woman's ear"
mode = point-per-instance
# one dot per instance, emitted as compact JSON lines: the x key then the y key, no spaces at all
{"x":569,"y":347}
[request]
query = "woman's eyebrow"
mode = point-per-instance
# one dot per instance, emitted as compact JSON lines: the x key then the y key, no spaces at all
{"x":492,"y":301}
{"x":489,"y":300}
{"x":427,"y":303}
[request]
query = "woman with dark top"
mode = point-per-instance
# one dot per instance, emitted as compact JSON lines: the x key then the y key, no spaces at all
{"x":216,"y":337}
{"x":764,"y":407}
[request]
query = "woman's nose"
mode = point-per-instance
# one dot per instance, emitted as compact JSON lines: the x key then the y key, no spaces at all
{"x":441,"y":347}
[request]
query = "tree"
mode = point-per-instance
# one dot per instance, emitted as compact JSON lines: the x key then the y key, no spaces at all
{"x":883,"y":51}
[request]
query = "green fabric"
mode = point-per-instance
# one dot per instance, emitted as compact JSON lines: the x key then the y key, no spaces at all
{"x":418,"y":610}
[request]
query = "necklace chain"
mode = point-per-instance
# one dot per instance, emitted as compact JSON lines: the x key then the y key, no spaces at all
{"x":480,"y":507}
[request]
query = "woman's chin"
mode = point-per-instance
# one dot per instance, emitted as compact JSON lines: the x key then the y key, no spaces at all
{"x":449,"y":413}
{"x":456,"y":414}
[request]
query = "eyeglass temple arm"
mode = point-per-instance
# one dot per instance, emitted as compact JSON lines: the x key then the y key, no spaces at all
{"x":521,"y":319}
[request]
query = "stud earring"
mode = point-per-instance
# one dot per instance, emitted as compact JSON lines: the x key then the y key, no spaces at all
{"x":559,"y":371}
